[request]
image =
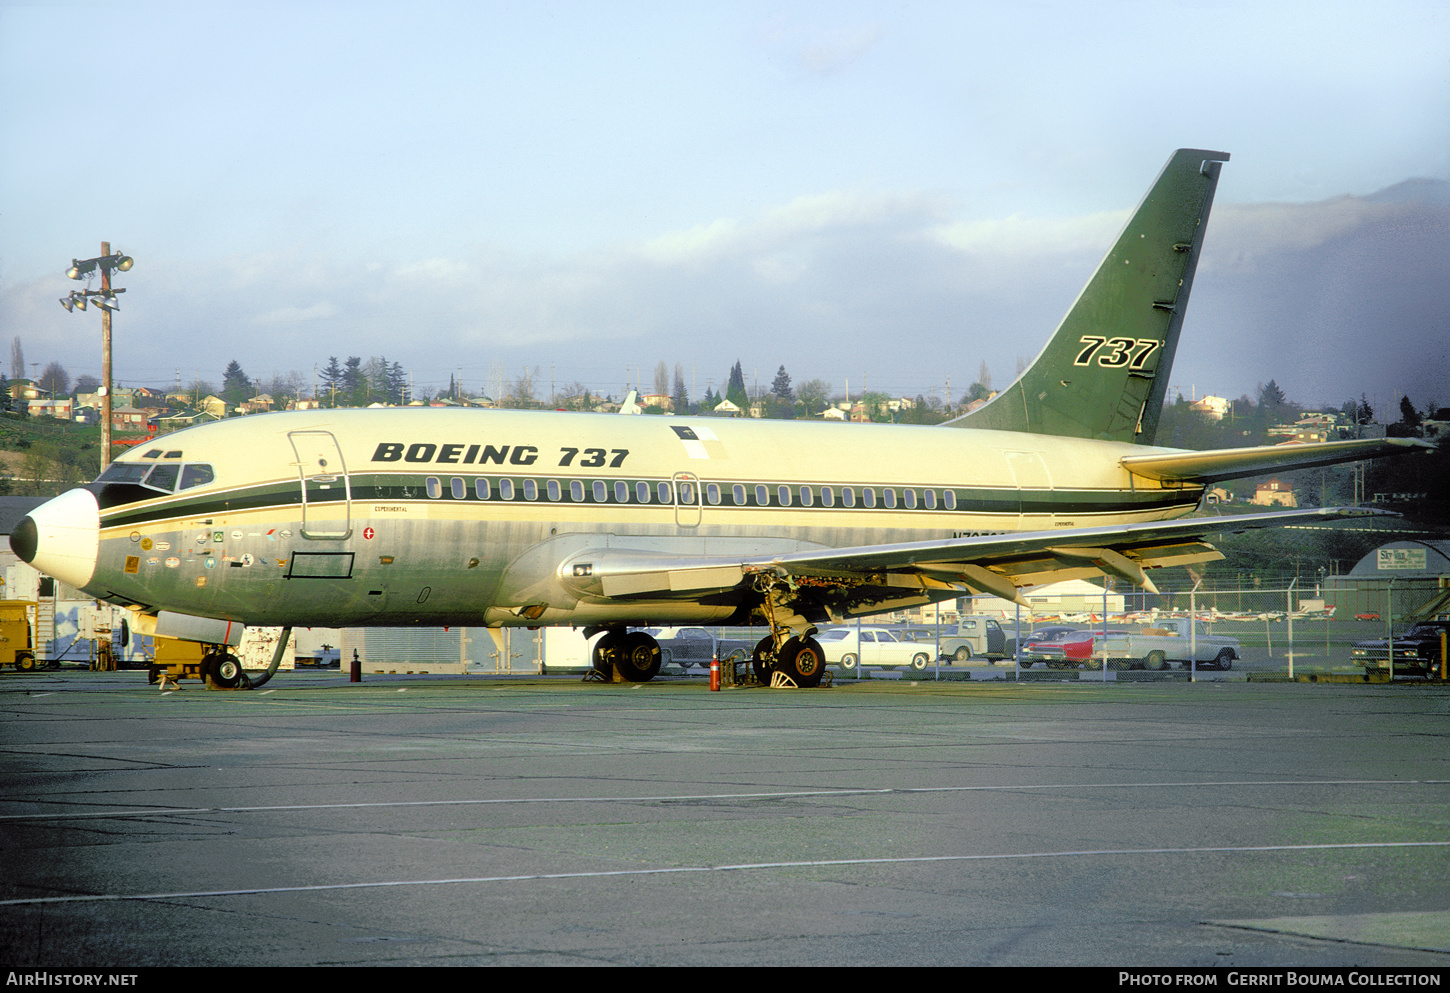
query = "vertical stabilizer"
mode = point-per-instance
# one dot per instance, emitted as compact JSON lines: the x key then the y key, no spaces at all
{"x":1105,"y":371}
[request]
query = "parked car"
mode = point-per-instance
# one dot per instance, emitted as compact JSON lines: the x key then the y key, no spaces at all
{"x":1045,"y":633}
{"x":694,"y":646}
{"x":1416,"y":651}
{"x":876,"y":646}
{"x":1064,"y":649}
{"x":1367,"y":617}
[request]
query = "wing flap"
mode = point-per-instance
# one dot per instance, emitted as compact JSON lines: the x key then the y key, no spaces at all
{"x":1234,"y":463}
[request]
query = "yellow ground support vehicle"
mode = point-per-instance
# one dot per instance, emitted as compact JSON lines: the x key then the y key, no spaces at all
{"x":17,"y":647}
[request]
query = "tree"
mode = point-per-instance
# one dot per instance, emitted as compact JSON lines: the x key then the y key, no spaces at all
{"x":236,"y":387}
{"x":876,"y":406}
{"x":662,"y":380}
{"x":680,"y":398}
{"x":398,"y":384}
{"x":735,"y":392}
{"x":780,"y":386}
{"x":331,"y":380}
{"x":17,"y":359}
{"x":815,"y":395}
{"x":352,"y":381}
{"x":86,"y":383}
{"x":56,"y":381}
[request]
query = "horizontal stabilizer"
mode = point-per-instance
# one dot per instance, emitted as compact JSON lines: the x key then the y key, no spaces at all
{"x":1235,"y":463}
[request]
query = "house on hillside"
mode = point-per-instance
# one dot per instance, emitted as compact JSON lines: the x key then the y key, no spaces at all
{"x":1274,"y":493}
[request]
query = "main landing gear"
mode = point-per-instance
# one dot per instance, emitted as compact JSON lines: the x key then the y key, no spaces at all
{"x":799,"y":659}
{"x":633,"y":654}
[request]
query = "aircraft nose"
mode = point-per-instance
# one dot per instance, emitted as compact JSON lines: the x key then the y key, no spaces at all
{"x":62,"y":537}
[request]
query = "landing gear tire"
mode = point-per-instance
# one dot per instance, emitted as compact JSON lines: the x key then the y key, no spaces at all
{"x":762,"y":660}
{"x":222,"y":671}
{"x":847,"y":663}
{"x":920,"y":661}
{"x":1225,"y":660}
{"x":639,"y":661}
{"x":803,"y":660}
{"x":606,"y":653}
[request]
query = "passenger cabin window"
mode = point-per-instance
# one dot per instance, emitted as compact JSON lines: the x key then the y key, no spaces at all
{"x":828,"y":496}
{"x":576,"y":491}
{"x":505,"y":489}
{"x":482,"y":489}
{"x":949,"y":499}
{"x":457,"y":488}
{"x":531,"y":489}
{"x":738,"y":492}
{"x":868,"y":497}
{"x":435,"y":488}
{"x":712,"y":493}
{"x":601,"y":491}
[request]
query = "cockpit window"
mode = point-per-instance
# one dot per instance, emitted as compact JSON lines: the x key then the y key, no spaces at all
{"x":124,"y":472}
{"x":196,"y":474}
{"x":154,"y":453}
{"x":173,"y":455}
{"x":163,"y":478}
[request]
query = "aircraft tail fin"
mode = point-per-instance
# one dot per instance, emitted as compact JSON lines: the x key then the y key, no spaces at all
{"x":1105,"y":371}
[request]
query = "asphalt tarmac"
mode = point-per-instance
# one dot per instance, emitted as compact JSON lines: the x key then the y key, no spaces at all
{"x":545,"y":821}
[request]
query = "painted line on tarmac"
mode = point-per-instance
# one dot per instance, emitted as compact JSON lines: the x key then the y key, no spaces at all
{"x":742,"y":867}
{"x":666,"y":798}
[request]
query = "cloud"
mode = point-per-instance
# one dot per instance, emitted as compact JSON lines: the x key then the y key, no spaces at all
{"x":841,"y":48}
{"x":900,"y":291}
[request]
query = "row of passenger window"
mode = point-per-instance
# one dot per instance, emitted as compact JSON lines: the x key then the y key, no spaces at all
{"x":688,"y":493}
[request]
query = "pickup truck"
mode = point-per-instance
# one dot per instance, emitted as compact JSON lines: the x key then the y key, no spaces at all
{"x":1416,"y":651}
{"x":1157,"y":647}
{"x":1168,"y":641}
{"x":976,"y":634}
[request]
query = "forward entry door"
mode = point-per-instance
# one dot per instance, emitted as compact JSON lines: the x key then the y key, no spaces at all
{"x":326,"y":494}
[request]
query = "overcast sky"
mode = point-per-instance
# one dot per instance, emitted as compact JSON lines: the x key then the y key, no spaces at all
{"x":882,"y":194}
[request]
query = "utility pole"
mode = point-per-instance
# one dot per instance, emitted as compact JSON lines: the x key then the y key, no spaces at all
{"x":105,"y":298}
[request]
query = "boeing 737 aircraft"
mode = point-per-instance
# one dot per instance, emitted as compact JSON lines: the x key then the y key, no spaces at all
{"x":437,"y":516}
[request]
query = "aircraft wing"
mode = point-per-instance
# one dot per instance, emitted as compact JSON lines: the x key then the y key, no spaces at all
{"x":840,"y":582}
{"x":1234,"y":463}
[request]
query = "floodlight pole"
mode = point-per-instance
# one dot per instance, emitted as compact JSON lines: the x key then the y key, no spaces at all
{"x":105,"y":361}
